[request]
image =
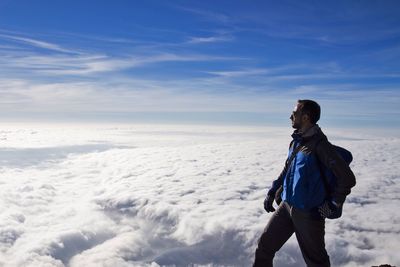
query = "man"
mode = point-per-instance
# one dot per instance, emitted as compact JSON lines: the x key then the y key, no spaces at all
{"x":304,"y":203}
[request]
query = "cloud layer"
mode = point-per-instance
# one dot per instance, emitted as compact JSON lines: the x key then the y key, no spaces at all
{"x":120,"y":195}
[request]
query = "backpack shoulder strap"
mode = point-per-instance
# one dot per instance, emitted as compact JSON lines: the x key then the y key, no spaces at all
{"x":321,"y":170}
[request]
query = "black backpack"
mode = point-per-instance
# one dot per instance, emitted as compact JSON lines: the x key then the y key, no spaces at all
{"x":330,"y":179}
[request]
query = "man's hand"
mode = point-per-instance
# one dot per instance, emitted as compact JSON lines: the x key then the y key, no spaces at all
{"x":268,"y":203}
{"x":329,"y":208}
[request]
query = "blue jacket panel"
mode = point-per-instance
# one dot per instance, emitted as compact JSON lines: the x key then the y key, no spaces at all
{"x":303,"y":186}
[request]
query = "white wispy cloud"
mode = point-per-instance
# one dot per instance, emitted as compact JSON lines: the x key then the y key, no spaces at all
{"x":286,"y":71}
{"x":38,"y":43}
{"x":87,"y":64}
{"x":61,"y":64}
{"x":240,"y":73}
{"x":211,"y":39}
{"x":207,"y":14}
{"x":123,"y":94}
{"x":302,"y":73}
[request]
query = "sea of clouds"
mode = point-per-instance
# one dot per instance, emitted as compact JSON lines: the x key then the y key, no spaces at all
{"x":169,"y":195}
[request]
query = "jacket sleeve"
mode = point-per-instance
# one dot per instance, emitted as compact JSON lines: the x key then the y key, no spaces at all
{"x":327,"y":154}
{"x":279,"y":181}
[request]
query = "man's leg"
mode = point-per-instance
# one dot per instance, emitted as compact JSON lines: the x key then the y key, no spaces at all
{"x":310,"y":234}
{"x":276,"y":233}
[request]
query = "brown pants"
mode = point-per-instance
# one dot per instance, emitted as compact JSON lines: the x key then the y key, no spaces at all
{"x":309,"y":232}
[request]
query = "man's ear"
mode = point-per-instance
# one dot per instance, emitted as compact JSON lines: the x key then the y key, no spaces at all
{"x":305,"y":117}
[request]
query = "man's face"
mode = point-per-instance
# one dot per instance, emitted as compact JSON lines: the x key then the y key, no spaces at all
{"x":296,"y":117}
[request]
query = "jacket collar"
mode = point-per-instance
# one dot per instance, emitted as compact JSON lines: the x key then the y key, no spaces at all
{"x":307,"y":135}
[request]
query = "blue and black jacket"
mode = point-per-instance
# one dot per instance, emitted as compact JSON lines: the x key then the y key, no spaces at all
{"x":303,"y":184}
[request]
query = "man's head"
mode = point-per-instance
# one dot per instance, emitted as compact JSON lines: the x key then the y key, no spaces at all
{"x":306,"y":113}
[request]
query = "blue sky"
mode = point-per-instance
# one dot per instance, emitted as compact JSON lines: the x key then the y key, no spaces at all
{"x":200,"y":61}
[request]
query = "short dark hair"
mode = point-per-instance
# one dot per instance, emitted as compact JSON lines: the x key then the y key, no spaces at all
{"x":310,"y":108}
